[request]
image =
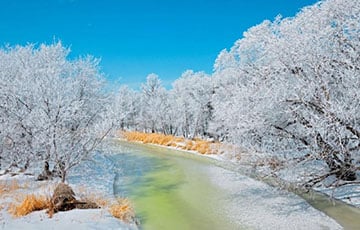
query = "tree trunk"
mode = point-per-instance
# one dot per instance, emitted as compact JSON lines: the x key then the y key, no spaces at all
{"x":46,"y":173}
{"x":63,"y":176}
{"x":343,"y":169}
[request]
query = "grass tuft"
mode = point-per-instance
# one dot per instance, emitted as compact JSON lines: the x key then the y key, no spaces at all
{"x":122,"y":210}
{"x":30,"y":204}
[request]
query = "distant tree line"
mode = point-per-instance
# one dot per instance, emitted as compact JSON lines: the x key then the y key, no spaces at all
{"x":288,"y":91}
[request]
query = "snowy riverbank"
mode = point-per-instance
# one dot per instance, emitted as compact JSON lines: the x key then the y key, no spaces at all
{"x":267,"y":207}
{"x":348,"y":194}
{"x":200,"y":191}
{"x":90,"y":178}
{"x":261,"y":206}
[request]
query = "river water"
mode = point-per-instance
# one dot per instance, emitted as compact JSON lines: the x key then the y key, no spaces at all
{"x":175,"y":190}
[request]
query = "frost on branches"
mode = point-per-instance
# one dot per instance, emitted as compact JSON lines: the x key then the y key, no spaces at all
{"x":52,"y":110}
{"x":288,"y":91}
{"x":294,"y":87}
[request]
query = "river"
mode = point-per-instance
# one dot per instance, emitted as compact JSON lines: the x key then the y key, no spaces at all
{"x":175,"y":190}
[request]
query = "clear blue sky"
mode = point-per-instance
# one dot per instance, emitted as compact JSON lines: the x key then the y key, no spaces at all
{"x":136,"y":37}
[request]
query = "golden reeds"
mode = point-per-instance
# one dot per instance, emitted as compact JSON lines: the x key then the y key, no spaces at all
{"x":195,"y":144}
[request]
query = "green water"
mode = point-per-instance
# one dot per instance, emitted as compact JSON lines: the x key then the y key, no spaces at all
{"x":171,"y":193}
{"x":346,"y":215}
{"x":171,"y":190}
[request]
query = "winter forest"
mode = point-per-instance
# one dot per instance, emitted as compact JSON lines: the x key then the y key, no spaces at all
{"x":287,"y":92}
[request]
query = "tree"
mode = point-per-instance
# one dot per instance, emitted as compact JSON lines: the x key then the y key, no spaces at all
{"x":193,"y":93}
{"x":297,"y":98}
{"x":153,"y":108}
{"x":17,"y":103}
{"x":287,"y":92}
{"x":127,"y":107}
{"x":58,"y":106}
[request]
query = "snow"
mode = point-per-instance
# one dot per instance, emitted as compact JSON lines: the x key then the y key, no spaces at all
{"x":101,"y":178}
{"x":260,"y":206}
{"x":349,"y":194}
{"x":74,"y":219}
{"x":249,"y":202}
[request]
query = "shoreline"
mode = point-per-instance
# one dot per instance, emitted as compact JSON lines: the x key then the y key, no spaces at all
{"x":310,"y":197}
{"x":236,"y":164}
{"x":213,"y":191}
{"x":96,"y":184}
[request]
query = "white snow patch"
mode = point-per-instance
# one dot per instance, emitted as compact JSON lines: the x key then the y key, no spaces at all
{"x":74,"y":219}
{"x":260,"y":206}
{"x":97,"y":175}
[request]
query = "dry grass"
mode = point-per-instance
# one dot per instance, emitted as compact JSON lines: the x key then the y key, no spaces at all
{"x":188,"y":145}
{"x":92,"y":197}
{"x":202,"y":147}
{"x":30,"y":204}
{"x":14,"y":185}
{"x":274,"y":163}
{"x":23,"y":204}
{"x":122,"y":210}
{"x":2,"y":189}
{"x":7,"y":187}
{"x":196,"y":144}
{"x":151,"y":138}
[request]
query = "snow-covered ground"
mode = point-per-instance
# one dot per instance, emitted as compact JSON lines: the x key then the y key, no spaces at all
{"x":349,"y":194}
{"x":259,"y":206}
{"x":95,"y":176}
{"x":74,"y":219}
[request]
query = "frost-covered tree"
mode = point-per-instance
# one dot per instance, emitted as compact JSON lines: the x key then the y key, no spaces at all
{"x":296,"y":93}
{"x":153,"y":104}
{"x":287,"y":91}
{"x":193,"y":93}
{"x":53,"y":109}
{"x":17,"y":104}
{"x":127,"y":108}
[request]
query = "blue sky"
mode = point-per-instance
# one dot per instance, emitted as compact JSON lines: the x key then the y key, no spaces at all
{"x":136,"y":37}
